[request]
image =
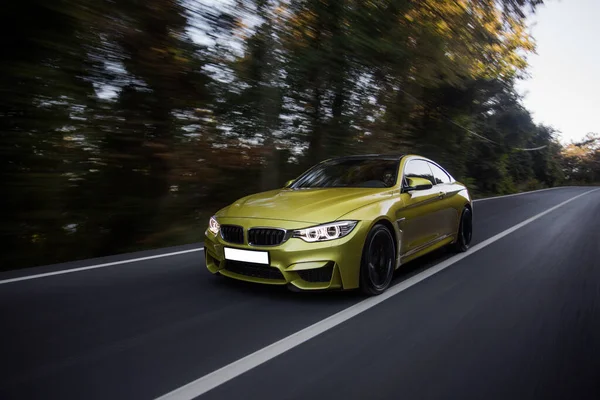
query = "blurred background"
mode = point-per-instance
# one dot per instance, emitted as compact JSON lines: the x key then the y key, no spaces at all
{"x":125,"y":124}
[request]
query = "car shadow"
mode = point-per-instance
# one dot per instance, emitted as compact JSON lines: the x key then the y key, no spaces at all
{"x":421,"y":264}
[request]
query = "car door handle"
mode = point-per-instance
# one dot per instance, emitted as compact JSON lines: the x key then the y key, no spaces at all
{"x":441,"y":195}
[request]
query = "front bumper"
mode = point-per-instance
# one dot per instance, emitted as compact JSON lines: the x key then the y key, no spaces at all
{"x":333,"y":264}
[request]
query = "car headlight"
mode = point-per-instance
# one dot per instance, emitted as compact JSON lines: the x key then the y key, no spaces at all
{"x":322,"y":233}
{"x":213,"y":225}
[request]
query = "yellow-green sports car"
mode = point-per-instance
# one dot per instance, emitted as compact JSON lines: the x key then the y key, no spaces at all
{"x":345,"y":223}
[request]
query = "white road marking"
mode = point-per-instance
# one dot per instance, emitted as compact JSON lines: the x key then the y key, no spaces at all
{"x":110,"y":264}
{"x":236,"y":368}
{"x":518,"y":194}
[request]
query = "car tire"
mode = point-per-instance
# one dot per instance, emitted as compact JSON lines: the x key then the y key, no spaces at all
{"x":378,"y":261}
{"x":465,"y":231}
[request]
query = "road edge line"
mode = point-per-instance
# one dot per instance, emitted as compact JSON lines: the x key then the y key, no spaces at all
{"x":521,"y":193}
{"x":109,"y":264}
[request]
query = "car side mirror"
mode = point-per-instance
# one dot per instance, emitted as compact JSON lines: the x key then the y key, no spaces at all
{"x":417,"y":184}
{"x":288,"y":183}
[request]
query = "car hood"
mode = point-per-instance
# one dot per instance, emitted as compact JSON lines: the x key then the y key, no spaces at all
{"x":316,"y":205}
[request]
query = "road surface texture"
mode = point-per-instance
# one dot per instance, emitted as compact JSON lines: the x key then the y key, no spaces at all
{"x":519,"y":318}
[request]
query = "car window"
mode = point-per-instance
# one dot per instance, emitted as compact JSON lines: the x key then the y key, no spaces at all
{"x":439,"y":174}
{"x":418,"y":169}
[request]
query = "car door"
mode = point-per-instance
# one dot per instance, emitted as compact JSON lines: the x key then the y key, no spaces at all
{"x":419,"y":218}
{"x":444,"y":186}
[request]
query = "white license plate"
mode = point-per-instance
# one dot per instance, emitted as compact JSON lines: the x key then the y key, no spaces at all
{"x":251,"y":256}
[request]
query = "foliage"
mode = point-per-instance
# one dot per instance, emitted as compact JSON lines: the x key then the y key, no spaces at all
{"x":125,"y":125}
{"x":581,"y":161}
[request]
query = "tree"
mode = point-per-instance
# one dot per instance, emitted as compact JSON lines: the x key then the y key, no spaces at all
{"x":125,"y":125}
{"x":44,"y":91}
{"x":581,"y":160}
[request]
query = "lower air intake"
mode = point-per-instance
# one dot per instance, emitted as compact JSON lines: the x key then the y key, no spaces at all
{"x":254,"y":270}
{"x":318,"y":274}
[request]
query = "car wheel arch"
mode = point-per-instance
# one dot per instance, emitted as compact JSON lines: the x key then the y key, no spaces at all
{"x":389,"y":225}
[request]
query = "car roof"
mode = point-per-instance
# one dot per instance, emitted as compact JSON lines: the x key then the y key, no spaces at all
{"x":394,"y":157}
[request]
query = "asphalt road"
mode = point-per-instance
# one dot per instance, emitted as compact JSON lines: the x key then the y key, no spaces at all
{"x":517,"y":319}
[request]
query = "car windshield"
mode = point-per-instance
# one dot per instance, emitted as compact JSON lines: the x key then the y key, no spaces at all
{"x":352,"y":172}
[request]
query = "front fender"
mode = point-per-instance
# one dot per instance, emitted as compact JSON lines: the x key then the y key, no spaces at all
{"x":383,"y":212}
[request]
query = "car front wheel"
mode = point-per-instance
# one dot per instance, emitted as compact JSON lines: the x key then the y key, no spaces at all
{"x":378,"y":261}
{"x":465,"y":231}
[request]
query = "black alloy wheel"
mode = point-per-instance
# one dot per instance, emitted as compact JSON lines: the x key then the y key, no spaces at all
{"x":465,"y":231}
{"x":378,"y":261}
